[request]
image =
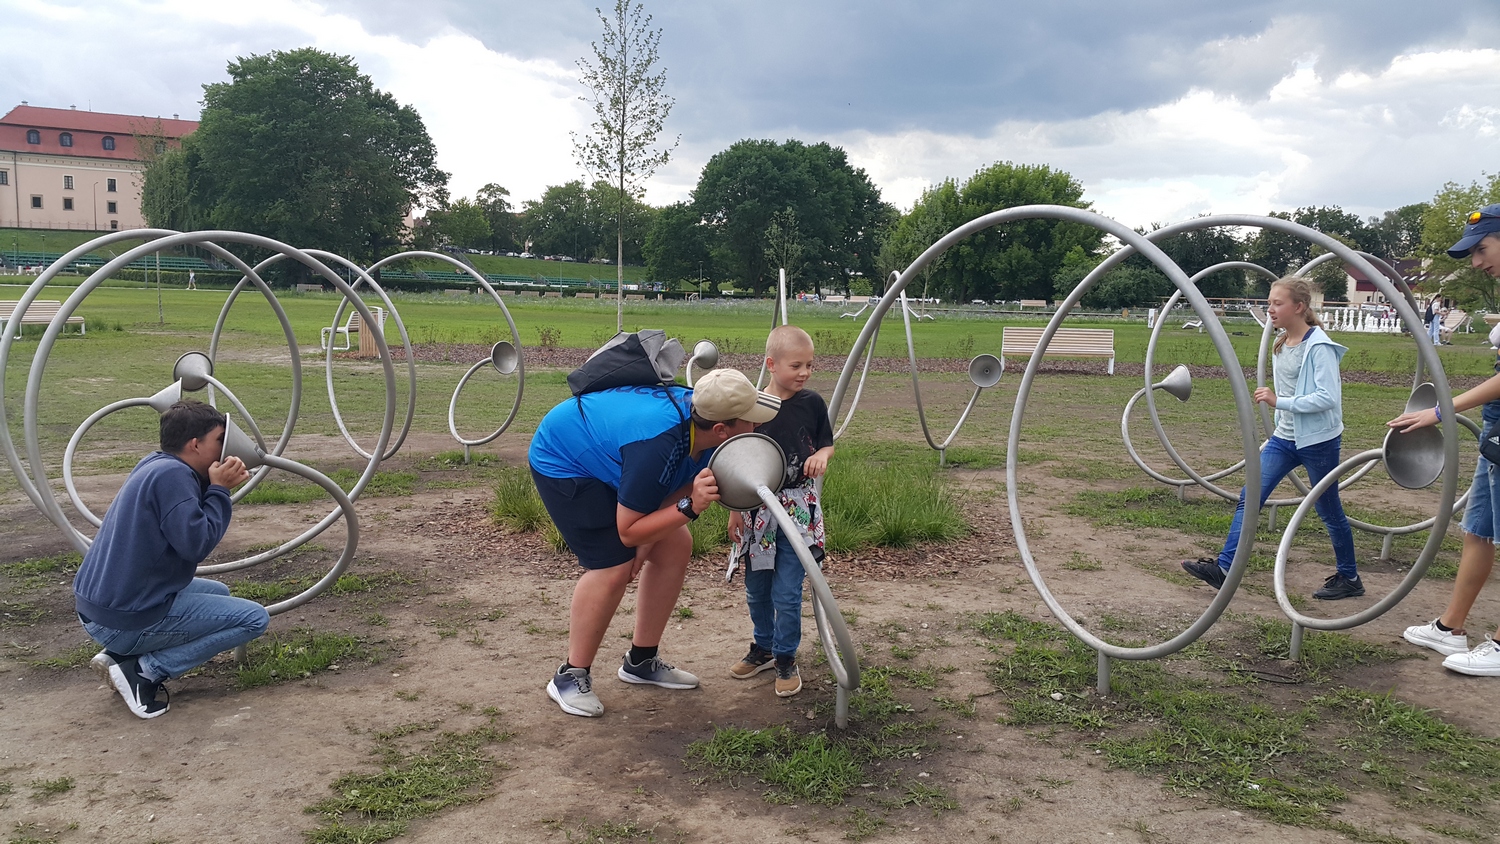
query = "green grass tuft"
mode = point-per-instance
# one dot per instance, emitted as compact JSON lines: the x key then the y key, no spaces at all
{"x":300,"y":654}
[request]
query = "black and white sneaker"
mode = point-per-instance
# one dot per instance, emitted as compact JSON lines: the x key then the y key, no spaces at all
{"x":138,"y":692}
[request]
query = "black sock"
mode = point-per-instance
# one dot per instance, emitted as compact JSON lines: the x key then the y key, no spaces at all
{"x":1441,"y":626}
{"x":568,"y":665}
{"x":639,"y":654}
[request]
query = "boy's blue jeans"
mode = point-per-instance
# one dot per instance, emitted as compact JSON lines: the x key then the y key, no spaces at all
{"x":204,"y":620}
{"x":1277,"y":460}
{"x":775,"y":599}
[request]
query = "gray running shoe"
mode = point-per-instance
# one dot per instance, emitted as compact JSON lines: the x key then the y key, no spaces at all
{"x":573,"y":690}
{"x":654,"y":672}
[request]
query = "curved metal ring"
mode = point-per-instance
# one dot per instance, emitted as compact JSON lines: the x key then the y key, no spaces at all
{"x":515,"y":336}
{"x":911,"y":352}
{"x":838,"y":645}
{"x":494,"y":360}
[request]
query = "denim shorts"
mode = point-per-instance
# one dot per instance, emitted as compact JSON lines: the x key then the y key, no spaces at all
{"x":584,"y":510}
{"x":1479,"y":516}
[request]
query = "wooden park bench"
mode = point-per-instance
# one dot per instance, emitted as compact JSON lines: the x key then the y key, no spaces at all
{"x":1453,"y":322}
{"x":552,"y":294}
{"x":1033,"y":303}
{"x":41,"y":312}
{"x":352,"y":325}
{"x":586,"y":295}
{"x":309,"y":288}
{"x":1016,"y":341}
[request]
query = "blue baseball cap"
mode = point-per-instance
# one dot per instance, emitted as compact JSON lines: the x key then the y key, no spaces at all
{"x":1481,"y":223}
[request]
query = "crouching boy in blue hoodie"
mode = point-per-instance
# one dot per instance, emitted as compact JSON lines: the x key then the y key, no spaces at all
{"x":135,"y":592}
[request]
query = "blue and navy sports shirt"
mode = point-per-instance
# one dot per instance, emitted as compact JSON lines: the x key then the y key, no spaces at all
{"x":635,"y":439}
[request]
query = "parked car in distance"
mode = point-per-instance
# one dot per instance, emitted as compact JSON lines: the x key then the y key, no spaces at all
{"x":525,"y":255}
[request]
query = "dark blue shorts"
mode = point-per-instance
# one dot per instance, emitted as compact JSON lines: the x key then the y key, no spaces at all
{"x":584,"y":511}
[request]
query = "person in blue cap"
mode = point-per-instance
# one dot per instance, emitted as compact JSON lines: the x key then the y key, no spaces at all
{"x":1481,"y":525}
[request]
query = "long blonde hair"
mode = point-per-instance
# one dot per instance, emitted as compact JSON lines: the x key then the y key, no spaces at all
{"x":1300,"y":290}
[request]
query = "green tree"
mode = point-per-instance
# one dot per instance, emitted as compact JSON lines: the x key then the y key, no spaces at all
{"x":1397,"y":234}
{"x":839,"y":211}
{"x":785,"y":249}
{"x":505,"y":225}
{"x":300,"y":146}
{"x":630,"y":106}
{"x":1442,"y":226}
{"x":561,"y":222}
{"x":1016,"y":260}
{"x":675,"y":249}
{"x":460,"y":223}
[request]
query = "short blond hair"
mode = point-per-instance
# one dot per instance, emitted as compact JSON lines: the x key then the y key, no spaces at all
{"x":785,"y":338}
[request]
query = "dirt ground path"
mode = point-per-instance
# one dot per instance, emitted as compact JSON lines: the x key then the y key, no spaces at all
{"x":476,"y":618}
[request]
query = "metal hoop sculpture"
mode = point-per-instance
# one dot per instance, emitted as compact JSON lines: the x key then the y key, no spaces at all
{"x":236,"y":444}
{"x":1413,"y":461}
{"x":366,"y":277}
{"x":1399,"y":295}
{"x":504,"y":361}
{"x":746,"y":467}
{"x":32,"y":476}
{"x":863,"y":375}
{"x":778,"y":313}
{"x":984,"y":371}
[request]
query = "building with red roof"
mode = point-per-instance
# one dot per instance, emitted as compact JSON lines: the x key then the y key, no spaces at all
{"x":61,"y":168}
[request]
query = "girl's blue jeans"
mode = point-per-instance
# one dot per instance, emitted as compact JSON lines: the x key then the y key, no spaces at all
{"x":1277,"y":460}
{"x":775,"y":599}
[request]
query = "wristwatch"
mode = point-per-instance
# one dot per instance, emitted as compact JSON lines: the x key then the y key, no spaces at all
{"x":685,"y":507}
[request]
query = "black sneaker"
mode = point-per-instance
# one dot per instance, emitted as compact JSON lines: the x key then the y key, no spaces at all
{"x":1337,"y":586}
{"x":138,"y":692}
{"x":1205,"y":569}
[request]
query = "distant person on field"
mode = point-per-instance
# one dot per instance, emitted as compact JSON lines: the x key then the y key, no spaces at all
{"x":1308,"y":398}
{"x":192,"y":281}
{"x":621,"y":473}
{"x":1481,"y":525}
{"x":773,"y":571}
{"x":135,"y":592}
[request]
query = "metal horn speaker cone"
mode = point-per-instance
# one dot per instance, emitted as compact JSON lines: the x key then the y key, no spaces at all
{"x":742,"y":465}
{"x":705,"y":355}
{"x":193,"y":370}
{"x":1415,"y":459}
{"x":504,"y":357}
{"x":985,"y":370}
{"x":163,"y":401}
{"x":1179,"y":382}
{"x":237,"y":444}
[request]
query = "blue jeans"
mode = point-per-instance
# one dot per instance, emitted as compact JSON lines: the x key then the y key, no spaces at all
{"x":1277,"y":460}
{"x":775,"y":599}
{"x":204,"y":620}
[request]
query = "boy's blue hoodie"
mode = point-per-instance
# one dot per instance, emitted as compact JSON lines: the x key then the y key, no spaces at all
{"x":164,"y":522}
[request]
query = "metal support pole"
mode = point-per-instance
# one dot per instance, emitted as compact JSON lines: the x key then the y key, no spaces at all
{"x":242,"y":655}
{"x":1385,"y":547}
{"x":1103,"y":685}
{"x":1295,"y":651}
{"x":466,"y":454}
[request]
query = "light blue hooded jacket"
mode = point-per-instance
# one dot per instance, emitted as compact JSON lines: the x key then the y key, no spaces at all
{"x":1317,"y":409}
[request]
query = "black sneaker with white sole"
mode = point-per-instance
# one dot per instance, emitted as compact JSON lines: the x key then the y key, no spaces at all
{"x":1205,"y":569}
{"x":138,"y":693}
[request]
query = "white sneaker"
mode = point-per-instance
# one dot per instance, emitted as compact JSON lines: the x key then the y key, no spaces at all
{"x":1429,"y":636}
{"x":1483,"y":661}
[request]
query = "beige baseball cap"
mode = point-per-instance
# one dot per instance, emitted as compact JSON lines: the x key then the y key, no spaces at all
{"x":723,"y":394}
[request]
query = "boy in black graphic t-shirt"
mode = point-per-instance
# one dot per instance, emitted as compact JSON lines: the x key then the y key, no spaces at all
{"x":773,"y":572}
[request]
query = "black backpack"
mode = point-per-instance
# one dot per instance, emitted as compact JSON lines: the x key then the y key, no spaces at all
{"x":647,"y":358}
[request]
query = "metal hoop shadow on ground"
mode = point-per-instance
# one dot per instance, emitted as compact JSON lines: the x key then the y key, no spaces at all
{"x":192,"y":369}
{"x":746,"y":468}
{"x":1414,"y":460}
{"x":505,"y":361}
{"x":984,"y":371}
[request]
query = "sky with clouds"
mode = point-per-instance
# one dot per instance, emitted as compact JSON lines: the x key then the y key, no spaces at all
{"x":1162,"y":109}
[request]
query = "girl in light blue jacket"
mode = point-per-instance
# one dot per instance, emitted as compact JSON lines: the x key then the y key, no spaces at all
{"x":1309,"y":429}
